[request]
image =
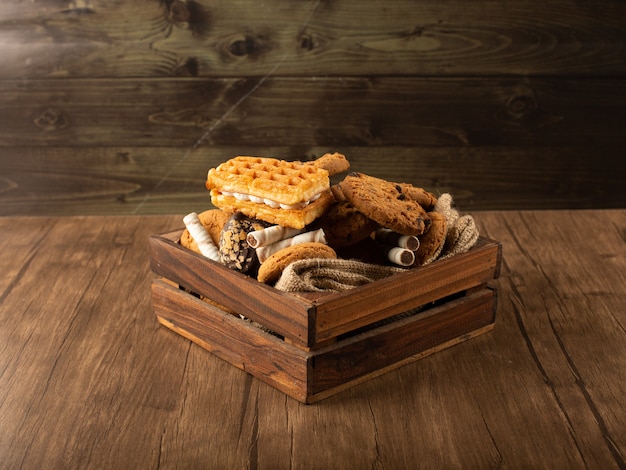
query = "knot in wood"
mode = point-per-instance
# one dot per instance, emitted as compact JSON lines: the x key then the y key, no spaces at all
{"x":178,"y":13}
{"x":306,"y":41}
{"x":244,"y":46}
{"x":523,"y":103}
{"x":188,"y":69}
{"x":51,"y":119}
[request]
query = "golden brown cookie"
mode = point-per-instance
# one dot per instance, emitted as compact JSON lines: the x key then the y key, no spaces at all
{"x":278,"y":181}
{"x":333,"y":163}
{"x":343,"y":225}
{"x":384,"y":202}
{"x":272,"y":267}
{"x":424,"y":198}
{"x":213,"y":221}
{"x":432,"y":241}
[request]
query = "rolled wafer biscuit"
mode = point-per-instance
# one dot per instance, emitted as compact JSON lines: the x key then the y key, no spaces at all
{"x":201,"y":236}
{"x":270,"y":235}
{"x":389,"y":237}
{"x":316,"y":236}
{"x":401,"y":256}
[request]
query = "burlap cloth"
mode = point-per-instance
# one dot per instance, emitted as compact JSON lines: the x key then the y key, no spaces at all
{"x":310,"y":275}
{"x":322,"y":274}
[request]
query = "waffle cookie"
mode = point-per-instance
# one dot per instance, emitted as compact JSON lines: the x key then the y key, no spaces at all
{"x":276,"y":183}
{"x":293,"y":218}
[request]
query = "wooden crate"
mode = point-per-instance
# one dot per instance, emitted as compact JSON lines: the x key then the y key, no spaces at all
{"x":312,"y":345}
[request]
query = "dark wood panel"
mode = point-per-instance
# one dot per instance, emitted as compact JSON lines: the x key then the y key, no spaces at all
{"x":404,"y":111}
{"x":153,"y":180}
{"x":151,"y":38}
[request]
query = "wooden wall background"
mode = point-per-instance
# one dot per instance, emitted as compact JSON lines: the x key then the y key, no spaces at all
{"x":118,"y":106}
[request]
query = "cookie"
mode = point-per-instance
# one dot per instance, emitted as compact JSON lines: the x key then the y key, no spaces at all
{"x":272,"y":267}
{"x":333,"y":163}
{"x":213,"y":221}
{"x":260,"y":178}
{"x":293,"y":218}
{"x":235,"y":252}
{"x":384,"y":202}
{"x":432,"y":241}
{"x":424,"y":198}
{"x":343,"y":225}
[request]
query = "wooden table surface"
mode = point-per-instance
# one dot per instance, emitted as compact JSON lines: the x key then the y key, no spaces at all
{"x":88,"y":379}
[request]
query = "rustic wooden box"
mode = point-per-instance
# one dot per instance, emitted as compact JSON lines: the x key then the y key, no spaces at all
{"x":321,"y":343}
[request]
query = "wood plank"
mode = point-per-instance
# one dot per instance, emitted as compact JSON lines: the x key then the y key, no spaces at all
{"x":68,"y":342}
{"x":88,"y":379}
{"x":18,"y":255}
{"x":234,"y":340}
{"x":329,"y":111}
{"x":396,"y":344}
{"x":170,"y":180}
{"x":285,"y":314}
{"x":311,"y":376}
{"x":344,"y":312}
{"x":243,"y":38}
{"x":555,"y":311}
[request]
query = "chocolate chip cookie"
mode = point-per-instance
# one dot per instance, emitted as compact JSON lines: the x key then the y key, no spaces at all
{"x":384,"y":202}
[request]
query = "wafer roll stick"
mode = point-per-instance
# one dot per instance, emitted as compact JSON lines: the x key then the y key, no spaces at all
{"x":270,"y":235}
{"x":389,"y":237}
{"x":401,"y":256}
{"x":201,"y":236}
{"x":264,"y":252}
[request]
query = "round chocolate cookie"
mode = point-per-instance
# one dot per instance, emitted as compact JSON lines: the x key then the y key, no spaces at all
{"x":235,"y":252}
{"x":384,"y":202}
{"x":343,"y":225}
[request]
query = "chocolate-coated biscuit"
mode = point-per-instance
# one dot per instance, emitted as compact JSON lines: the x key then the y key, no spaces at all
{"x":272,"y":267}
{"x":432,"y":241}
{"x":213,"y":221}
{"x":343,"y":225}
{"x":235,"y":252}
{"x":384,"y":202}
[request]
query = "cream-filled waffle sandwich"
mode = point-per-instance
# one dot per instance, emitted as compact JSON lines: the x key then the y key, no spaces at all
{"x":290,"y":194}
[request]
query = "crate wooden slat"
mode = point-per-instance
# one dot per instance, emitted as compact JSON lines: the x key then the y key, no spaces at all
{"x":312,"y":320}
{"x":311,"y":375}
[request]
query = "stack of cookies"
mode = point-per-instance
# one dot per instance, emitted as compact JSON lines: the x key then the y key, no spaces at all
{"x":271,"y":213}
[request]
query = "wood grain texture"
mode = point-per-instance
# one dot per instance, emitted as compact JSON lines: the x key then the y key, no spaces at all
{"x":287,"y":316}
{"x":153,"y":180}
{"x":308,"y":322}
{"x":516,"y":94}
{"x":363,"y":111}
{"x":150,"y":38}
{"x":89,"y":380}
